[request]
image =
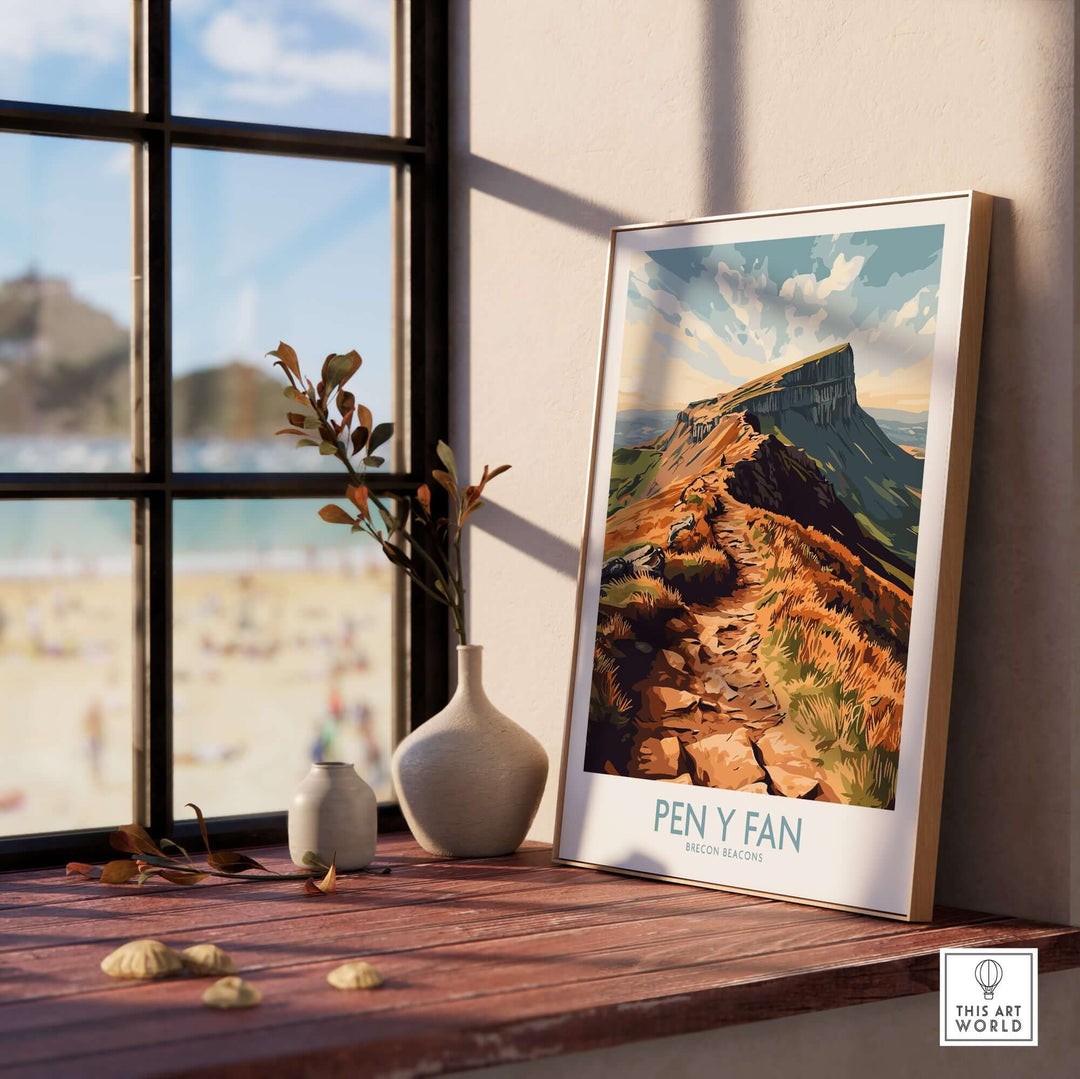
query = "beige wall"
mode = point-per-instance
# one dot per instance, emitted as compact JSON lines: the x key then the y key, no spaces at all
{"x":573,"y":115}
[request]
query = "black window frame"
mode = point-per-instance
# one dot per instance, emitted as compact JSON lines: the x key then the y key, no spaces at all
{"x":423,"y":155}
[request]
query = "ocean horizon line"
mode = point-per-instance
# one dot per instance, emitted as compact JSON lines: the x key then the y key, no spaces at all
{"x":237,"y":560}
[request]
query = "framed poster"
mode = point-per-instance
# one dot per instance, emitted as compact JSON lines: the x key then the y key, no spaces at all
{"x":770,"y":569}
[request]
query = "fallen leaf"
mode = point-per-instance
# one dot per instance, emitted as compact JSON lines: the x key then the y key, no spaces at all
{"x":202,"y":824}
{"x":232,"y":861}
{"x":120,"y":871}
{"x":134,"y":839}
{"x":79,"y":869}
{"x":181,"y":876}
{"x":325,"y":886}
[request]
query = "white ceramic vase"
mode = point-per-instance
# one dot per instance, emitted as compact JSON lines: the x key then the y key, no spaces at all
{"x":333,"y":813}
{"x":469,"y":780}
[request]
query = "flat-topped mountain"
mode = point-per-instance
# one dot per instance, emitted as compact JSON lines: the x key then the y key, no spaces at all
{"x":813,"y":405}
{"x":755,"y":601}
{"x":820,"y":387}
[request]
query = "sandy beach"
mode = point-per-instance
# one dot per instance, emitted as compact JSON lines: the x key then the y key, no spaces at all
{"x":273,"y":668}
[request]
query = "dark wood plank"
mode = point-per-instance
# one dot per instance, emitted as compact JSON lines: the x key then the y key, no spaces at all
{"x":327,"y":931}
{"x":420,"y":976}
{"x":490,"y":960}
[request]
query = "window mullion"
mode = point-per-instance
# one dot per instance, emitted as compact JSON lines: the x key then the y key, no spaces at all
{"x":156,"y":809}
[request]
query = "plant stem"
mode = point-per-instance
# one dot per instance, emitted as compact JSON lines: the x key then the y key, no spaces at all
{"x":459,"y":607}
{"x":247,"y":877}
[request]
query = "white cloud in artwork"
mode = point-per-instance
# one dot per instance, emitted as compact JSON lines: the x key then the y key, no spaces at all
{"x":669,"y":385}
{"x":808,"y":289}
{"x":735,"y":312}
{"x":745,"y":295}
{"x":685,"y":331}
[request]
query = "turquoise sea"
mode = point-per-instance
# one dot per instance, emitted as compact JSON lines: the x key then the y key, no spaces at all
{"x":50,"y":537}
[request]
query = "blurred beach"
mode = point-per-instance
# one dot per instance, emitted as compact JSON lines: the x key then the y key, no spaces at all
{"x":282,"y":655}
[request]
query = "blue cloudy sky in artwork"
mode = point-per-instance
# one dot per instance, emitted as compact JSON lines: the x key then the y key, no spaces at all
{"x":715,"y":316}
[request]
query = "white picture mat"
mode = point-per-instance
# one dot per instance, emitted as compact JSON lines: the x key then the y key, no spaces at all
{"x":849,"y":855}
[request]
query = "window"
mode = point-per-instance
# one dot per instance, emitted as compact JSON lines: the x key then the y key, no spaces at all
{"x":181,"y":187}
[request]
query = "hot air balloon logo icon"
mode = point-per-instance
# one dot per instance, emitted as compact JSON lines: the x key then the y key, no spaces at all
{"x":988,"y":974}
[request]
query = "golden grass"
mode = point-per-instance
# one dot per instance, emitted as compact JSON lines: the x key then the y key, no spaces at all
{"x":703,"y":576}
{"x":834,"y":649}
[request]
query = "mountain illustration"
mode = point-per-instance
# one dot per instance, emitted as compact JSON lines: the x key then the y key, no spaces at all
{"x":66,"y":368}
{"x":756,"y":594}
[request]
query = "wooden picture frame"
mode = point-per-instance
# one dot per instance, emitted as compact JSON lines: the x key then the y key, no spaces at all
{"x":770,"y":566}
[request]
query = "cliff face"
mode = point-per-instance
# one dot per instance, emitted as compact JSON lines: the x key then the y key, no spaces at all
{"x":820,"y":389}
{"x":814,"y":405}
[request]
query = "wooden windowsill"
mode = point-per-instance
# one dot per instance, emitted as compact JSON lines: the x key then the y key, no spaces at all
{"x":485,"y":961}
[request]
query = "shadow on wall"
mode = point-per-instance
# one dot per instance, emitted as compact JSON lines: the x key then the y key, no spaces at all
{"x":473,"y":172}
{"x":529,"y":538}
{"x":1009,"y":668}
{"x":996,"y":851}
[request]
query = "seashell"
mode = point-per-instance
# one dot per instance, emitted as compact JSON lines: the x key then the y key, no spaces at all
{"x":142,"y":959}
{"x":207,"y":960}
{"x":231,"y":992}
{"x":358,"y":975}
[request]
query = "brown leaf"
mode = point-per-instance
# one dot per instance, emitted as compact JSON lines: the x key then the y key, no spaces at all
{"x":497,"y":471}
{"x":337,"y":370}
{"x":335,"y":515}
{"x":202,"y":824}
{"x":134,"y":839}
{"x":120,"y":871}
{"x":445,"y":480}
{"x":383,"y":432}
{"x":297,"y":419}
{"x":233,"y":861}
{"x":359,"y":437}
{"x":446,"y":455}
{"x":291,"y":431}
{"x":469,"y":510}
{"x":396,"y":555}
{"x":325,"y":886}
{"x":423,"y":496}
{"x":287,"y":359}
{"x":363,"y":417}
{"x":182,"y":876}
{"x":358,"y":496}
{"x":79,"y":869}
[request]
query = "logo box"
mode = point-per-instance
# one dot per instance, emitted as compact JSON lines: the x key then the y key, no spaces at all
{"x":989,"y":996}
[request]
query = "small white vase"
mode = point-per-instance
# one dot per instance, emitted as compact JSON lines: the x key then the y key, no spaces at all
{"x":469,"y":780}
{"x":333,"y":813}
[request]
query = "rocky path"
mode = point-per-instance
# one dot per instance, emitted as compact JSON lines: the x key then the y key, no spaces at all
{"x":709,"y":717}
